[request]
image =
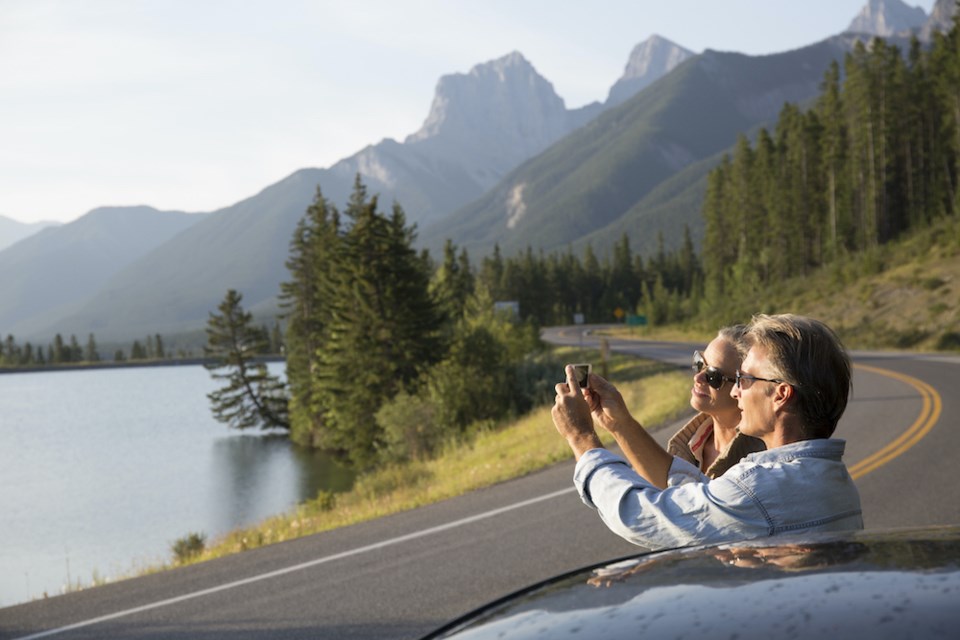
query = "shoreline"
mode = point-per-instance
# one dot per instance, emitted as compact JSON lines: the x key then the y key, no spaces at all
{"x":73,"y":366}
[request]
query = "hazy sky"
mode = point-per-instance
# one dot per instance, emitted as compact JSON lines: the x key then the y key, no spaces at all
{"x":197,"y":104}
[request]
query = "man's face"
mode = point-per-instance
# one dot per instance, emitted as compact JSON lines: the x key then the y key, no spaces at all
{"x":753,"y":396}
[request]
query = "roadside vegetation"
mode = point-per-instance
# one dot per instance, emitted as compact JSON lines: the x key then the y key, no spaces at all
{"x":486,"y":455}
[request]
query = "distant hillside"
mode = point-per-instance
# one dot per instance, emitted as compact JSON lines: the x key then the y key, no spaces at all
{"x":47,"y":274}
{"x":174,"y":287}
{"x":595,"y":180}
{"x":904,"y":295}
{"x":12,"y":231}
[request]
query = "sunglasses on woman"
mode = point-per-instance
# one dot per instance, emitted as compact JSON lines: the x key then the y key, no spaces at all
{"x":713,"y":375}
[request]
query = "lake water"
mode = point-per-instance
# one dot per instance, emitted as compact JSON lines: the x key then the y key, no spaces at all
{"x":101,"y":470}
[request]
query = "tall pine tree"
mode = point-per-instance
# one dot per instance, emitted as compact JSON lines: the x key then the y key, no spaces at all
{"x":382,"y":326}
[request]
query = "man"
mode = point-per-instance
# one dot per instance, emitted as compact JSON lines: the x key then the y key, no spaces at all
{"x":792,"y":388}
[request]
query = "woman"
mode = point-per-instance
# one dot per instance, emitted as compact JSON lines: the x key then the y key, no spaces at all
{"x":710,"y":440}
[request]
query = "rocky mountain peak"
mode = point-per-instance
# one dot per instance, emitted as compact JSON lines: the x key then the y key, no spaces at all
{"x":649,"y":61}
{"x":502,"y":95}
{"x":941,"y":18}
{"x":887,"y":18}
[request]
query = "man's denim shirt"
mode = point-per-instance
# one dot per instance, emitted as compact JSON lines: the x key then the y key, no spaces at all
{"x":803,"y":486}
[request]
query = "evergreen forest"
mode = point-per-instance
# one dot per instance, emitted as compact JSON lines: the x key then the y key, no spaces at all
{"x":874,"y":158}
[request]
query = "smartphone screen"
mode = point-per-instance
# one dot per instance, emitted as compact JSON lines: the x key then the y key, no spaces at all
{"x":582,"y":374}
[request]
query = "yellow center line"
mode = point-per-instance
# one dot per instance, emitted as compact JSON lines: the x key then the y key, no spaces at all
{"x":929,"y":414}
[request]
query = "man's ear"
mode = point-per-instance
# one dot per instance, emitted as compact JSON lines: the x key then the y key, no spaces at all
{"x":783,"y":395}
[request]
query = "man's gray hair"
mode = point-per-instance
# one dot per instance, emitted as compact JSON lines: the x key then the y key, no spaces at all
{"x":809,"y":356}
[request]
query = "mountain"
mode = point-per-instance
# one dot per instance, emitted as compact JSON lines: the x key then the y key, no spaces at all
{"x":594,"y":177}
{"x":51,"y":272}
{"x":12,"y":231}
{"x":887,"y":18}
{"x":941,"y":18}
{"x":499,"y":159}
{"x":174,"y":287}
{"x":480,"y":125}
{"x":649,"y":61}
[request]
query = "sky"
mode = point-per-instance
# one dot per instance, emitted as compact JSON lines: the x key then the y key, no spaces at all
{"x":194,"y":105}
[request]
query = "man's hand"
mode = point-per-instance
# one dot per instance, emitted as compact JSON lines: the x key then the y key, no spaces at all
{"x":572,"y":416}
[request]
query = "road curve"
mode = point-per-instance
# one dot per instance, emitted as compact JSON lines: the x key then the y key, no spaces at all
{"x":400,"y":576}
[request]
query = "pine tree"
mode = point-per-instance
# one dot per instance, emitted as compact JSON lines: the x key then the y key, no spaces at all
{"x":313,"y":261}
{"x":833,"y":152}
{"x":719,"y":248}
{"x":252,"y":396}
{"x":137,"y":351}
{"x":75,"y":350}
{"x":91,"y":354}
{"x":383,"y":327}
{"x":60,"y":353}
{"x":491,"y":274}
{"x":452,"y":282}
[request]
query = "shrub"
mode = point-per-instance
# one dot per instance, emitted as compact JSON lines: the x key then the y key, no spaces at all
{"x":949,"y":341}
{"x":409,"y":427}
{"x":188,"y":547}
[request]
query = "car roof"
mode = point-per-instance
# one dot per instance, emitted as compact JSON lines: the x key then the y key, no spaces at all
{"x":893,"y":583}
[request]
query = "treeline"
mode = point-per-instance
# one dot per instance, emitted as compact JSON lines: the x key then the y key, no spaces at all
{"x":58,"y":352}
{"x":551,"y":288}
{"x":877,"y":155}
{"x":14,"y":354}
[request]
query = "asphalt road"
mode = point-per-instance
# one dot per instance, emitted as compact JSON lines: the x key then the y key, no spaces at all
{"x":401,"y":576}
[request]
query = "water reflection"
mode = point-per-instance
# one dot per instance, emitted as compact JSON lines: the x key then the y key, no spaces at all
{"x":251,"y":470}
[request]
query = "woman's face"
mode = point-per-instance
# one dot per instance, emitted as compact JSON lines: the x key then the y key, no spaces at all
{"x":720,"y":355}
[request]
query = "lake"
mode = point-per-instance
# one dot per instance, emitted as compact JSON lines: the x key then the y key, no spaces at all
{"x":102,"y":469}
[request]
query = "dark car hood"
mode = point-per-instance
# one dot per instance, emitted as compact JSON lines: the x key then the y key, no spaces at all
{"x":903,"y":583}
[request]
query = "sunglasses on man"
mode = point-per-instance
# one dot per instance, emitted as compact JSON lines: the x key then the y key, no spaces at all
{"x":713,"y":375}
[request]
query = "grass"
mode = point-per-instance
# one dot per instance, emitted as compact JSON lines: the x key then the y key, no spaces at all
{"x":655,"y":392}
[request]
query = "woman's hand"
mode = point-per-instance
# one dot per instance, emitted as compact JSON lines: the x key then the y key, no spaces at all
{"x":607,"y":405}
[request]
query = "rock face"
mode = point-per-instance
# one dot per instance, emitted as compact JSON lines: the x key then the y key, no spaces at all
{"x":649,"y":61}
{"x":481,"y":126}
{"x":502,"y":111}
{"x":941,"y":18}
{"x":888,"y":18}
